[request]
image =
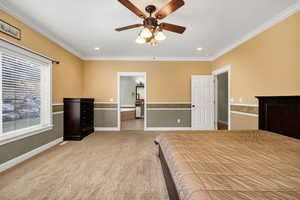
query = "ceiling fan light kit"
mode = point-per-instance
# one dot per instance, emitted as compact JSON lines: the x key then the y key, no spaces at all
{"x":160,"y":36}
{"x":146,"y":33}
{"x":152,"y":32}
{"x":140,"y":40}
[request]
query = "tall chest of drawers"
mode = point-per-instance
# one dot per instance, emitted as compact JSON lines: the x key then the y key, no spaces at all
{"x":78,"y":118}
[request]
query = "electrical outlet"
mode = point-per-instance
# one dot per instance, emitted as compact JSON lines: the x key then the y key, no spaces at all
{"x":178,"y":121}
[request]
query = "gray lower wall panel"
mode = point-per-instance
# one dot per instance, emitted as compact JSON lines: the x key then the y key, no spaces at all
{"x":106,"y":118}
{"x":14,"y":149}
{"x":155,"y":118}
{"x":168,"y":118}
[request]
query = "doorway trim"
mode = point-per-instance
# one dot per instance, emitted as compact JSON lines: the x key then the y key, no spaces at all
{"x":215,"y":74}
{"x":133,"y":74}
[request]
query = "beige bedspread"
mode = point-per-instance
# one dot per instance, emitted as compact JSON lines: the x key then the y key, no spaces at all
{"x":256,"y":165}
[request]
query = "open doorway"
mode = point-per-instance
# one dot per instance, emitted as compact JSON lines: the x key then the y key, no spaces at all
{"x":132,"y":95}
{"x":222,"y":106}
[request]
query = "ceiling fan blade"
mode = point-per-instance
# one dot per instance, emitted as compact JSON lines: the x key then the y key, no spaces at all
{"x":133,"y":8}
{"x":169,"y":8}
{"x":129,"y":27}
{"x":172,"y":28}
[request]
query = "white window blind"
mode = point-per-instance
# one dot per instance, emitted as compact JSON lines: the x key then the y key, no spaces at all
{"x":20,"y":93}
{"x":25,"y":93}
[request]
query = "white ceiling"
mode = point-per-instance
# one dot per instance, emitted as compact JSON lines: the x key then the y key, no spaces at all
{"x":214,"y":25}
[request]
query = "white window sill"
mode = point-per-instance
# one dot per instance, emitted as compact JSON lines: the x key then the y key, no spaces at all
{"x":23,"y":133}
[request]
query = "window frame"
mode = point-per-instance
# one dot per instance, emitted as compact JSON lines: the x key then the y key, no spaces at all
{"x":46,"y":117}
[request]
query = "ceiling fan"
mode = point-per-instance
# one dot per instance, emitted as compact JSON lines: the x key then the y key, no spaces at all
{"x":153,"y":30}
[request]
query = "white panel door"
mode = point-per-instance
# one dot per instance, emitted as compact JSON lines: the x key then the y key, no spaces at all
{"x":202,"y":103}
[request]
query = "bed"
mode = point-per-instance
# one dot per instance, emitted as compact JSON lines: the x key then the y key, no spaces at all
{"x":212,"y":165}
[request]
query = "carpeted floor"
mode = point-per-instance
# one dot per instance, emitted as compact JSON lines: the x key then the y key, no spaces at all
{"x":137,"y":124}
{"x":104,"y":166}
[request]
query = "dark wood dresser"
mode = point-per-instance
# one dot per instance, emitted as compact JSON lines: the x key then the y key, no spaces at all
{"x":78,"y":118}
{"x":280,"y":114}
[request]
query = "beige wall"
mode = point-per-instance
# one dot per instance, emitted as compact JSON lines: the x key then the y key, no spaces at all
{"x":243,"y":122}
{"x":166,"y":81}
{"x":268,"y":64}
{"x":67,"y":76}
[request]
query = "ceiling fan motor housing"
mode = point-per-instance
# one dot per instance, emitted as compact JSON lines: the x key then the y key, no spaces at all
{"x":150,"y":22}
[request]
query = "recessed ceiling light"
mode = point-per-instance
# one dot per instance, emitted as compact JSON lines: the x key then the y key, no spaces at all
{"x":96,"y":48}
{"x":199,"y":49}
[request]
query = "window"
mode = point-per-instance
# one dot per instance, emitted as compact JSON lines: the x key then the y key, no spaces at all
{"x":25,"y":93}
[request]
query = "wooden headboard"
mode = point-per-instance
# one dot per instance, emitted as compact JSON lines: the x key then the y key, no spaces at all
{"x":280,"y":114}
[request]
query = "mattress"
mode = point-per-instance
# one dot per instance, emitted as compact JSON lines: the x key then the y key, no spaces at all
{"x":239,"y":165}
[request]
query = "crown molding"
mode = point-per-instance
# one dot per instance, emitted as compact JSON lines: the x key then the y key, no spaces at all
{"x":153,"y":59}
{"x":37,"y":28}
{"x":275,"y":20}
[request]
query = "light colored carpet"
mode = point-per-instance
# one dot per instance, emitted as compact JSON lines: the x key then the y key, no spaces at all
{"x":103,"y":166}
{"x":137,"y":124}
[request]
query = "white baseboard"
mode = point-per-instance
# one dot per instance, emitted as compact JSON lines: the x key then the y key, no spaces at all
{"x":169,"y":129}
{"x":28,"y":155}
{"x":222,"y":122}
{"x":107,"y":129}
{"x":147,"y":129}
